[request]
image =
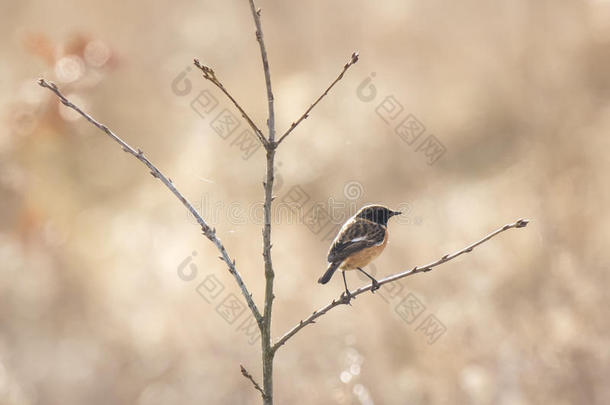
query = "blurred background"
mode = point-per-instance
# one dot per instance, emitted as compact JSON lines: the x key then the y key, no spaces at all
{"x":465,"y":115}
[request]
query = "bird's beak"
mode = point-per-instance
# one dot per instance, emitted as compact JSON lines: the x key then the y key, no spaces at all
{"x":392,"y":213}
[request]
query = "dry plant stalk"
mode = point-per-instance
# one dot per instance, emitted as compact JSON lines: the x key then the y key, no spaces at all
{"x":270,"y":144}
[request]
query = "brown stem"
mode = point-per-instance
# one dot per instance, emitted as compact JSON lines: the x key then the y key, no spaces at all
{"x":210,"y":233}
{"x":351,"y":62}
{"x":343,"y":299}
{"x":209,"y":74}
{"x":257,"y":387}
{"x":256,"y":14}
{"x":267,"y":351}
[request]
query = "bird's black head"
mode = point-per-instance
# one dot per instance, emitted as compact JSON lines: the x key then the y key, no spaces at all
{"x":376,"y":213}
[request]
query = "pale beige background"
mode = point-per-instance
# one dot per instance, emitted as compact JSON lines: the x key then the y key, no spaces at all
{"x":92,"y":309}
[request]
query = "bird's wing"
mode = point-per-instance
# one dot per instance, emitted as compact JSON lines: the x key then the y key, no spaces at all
{"x":357,"y":235}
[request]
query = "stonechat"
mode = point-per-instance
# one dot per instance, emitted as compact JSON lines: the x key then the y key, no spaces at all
{"x":360,"y":240}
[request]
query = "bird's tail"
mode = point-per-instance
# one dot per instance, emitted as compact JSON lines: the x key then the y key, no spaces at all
{"x":329,"y":273}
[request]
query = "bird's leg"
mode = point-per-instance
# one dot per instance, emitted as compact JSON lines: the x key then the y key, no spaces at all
{"x":347,"y":293}
{"x":376,"y":285}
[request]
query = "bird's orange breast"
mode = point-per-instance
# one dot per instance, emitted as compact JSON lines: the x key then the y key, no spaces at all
{"x":364,"y":256}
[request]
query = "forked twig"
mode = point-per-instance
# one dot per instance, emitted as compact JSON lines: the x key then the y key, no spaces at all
{"x":210,"y":233}
{"x":270,"y":144}
{"x":343,"y":299}
{"x":351,"y":62}
{"x":267,"y":352}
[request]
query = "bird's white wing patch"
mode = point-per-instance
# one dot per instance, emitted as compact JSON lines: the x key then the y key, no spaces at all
{"x":360,"y":238}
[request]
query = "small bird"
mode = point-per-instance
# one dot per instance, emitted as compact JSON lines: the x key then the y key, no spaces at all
{"x":360,"y":240}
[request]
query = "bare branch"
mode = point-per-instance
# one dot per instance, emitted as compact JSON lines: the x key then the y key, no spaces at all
{"x":352,"y":61}
{"x":210,"y":233}
{"x":209,"y":74}
{"x":256,"y":14}
{"x":343,"y":299}
{"x":245,"y":373}
{"x":267,"y":352}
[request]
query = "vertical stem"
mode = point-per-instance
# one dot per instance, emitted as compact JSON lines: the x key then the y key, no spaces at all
{"x":270,"y":146}
{"x":267,"y":351}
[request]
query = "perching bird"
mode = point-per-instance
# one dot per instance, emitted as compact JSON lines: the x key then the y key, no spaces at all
{"x":360,"y":240}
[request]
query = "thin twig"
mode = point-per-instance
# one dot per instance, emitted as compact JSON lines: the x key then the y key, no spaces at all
{"x":209,"y":74}
{"x":352,"y":61}
{"x":267,"y":352}
{"x":210,"y":233}
{"x":256,"y":14}
{"x":245,"y":373}
{"x":343,"y":299}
